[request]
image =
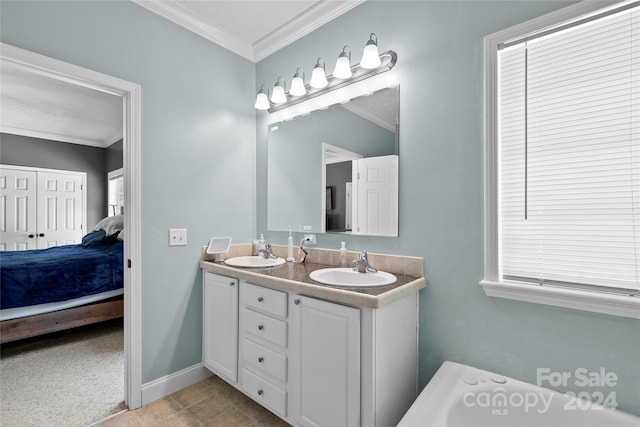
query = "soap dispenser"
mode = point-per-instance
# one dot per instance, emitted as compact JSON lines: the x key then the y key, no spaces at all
{"x":290,"y":247}
{"x":262,"y":244}
{"x":343,"y":255}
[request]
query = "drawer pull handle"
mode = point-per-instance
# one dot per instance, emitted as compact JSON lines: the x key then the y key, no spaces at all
{"x":260,"y":392}
{"x":296,"y":301}
{"x":260,"y":327}
{"x":260,"y":299}
{"x":260,"y":359}
{"x":232,"y":283}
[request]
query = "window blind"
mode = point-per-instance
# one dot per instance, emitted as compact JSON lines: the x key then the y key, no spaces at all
{"x":569,"y":137}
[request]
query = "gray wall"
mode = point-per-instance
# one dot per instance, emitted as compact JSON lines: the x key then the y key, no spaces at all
{"x":439,"y":46}
{"x":198,"y":137}
{"x":115,"y":159}
{"x":338,"y":174}
{"x":41,"y":153}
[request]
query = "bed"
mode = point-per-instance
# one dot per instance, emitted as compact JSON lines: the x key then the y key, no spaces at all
{"x":62,"y":287}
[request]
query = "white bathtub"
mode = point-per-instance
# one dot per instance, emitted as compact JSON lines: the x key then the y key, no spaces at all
{"x":460,"y":395}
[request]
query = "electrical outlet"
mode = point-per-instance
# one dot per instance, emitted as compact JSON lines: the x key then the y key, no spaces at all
{"x":310,"y":238}
{"x":177,"y":236}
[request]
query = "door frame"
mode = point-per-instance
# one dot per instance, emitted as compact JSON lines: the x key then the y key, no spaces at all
{"x":131,"y":101}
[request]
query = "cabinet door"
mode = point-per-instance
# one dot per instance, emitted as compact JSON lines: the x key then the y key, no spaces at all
{"x":325,"y":363}
{"x":220,"y":325}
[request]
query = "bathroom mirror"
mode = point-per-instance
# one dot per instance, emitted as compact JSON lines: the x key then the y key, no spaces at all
{"x":313,"y":163}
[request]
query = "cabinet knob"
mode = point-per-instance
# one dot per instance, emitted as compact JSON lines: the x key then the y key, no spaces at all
{"x":296,"y":301}
{"x":260,"y":392}
{"x":260,"y":327}
{"x":31,"y":236}
{"x":41,"y":235}
{"x":232,"y":283}
{"x":260,"y":299}
{"x":260,"y":359}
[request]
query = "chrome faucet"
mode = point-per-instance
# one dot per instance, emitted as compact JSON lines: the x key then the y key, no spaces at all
{"x":267,"y":252}
{"x":361,"y":265}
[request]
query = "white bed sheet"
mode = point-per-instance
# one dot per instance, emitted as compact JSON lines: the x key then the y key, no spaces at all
{"x":32,"y":310}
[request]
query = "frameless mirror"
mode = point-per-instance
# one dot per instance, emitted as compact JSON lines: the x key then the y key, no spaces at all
{"x":336,"y":170}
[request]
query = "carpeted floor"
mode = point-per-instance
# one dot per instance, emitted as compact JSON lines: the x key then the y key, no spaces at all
{"x":71,"y":378}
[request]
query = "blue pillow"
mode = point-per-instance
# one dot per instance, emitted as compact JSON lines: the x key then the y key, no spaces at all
{"x":95,"y":237}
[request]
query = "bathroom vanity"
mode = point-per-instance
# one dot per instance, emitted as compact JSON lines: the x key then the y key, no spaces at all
{"x":315,"y":355}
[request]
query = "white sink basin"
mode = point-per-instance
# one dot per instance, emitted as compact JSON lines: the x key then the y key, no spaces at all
{"x":349,"y":277}
{"x":253,"y":261}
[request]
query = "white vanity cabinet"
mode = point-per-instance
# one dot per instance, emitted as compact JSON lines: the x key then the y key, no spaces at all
{"x":325,"y":363}
{"x":220,"y":324}
{"x":264,"y":336}
{"x":312,"y":361}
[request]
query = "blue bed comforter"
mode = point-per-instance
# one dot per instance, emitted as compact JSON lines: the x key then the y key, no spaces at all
{"x":60,"y":273}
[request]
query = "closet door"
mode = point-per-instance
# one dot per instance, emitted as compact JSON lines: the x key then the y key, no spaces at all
{"x":18,"y":226}
{"x":60,"y":204}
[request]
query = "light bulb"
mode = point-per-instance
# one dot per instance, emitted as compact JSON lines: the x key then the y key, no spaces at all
{"x":262,"y":99}
{"x":277,"y":95}
{"x":297,"y":84}
{"x":370,"y":56}
{"x":343,"y":64}
{"x":318,"y":76}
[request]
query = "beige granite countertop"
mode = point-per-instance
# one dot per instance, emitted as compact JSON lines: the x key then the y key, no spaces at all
{"x":295,"y":277}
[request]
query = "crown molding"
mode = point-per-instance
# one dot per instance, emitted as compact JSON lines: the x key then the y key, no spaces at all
{"x":371,"y":116}
{"x":178,"y":14}
{"x":51,"y":136}
{"x":304,"y":23}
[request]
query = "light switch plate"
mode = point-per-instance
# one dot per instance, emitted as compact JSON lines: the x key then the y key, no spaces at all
{"x":177,"y":236}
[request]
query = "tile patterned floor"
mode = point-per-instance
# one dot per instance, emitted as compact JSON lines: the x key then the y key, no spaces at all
{"x":210,"y":403}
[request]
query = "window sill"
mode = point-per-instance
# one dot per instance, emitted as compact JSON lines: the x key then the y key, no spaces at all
{"x":617,"y":305}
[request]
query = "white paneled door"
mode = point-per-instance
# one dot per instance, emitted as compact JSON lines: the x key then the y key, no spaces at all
{"x":18,"y":190}
{"x":376,"y":195}
{"x":41,"y":208}
{"x":59,"y":209}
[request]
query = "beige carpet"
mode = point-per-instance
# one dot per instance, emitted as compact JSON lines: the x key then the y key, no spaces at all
{"x":71,"y":378}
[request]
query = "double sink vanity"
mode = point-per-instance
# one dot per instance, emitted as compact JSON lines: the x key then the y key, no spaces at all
{"x":315,"y":354}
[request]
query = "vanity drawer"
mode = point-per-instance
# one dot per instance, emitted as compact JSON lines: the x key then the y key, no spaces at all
{"x":264,"y":392}
{"x":265,"y":299}
{"x":266,"y":327}
{"x":268,"y":361}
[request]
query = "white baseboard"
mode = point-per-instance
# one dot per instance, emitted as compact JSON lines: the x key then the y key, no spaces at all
{"x":171,"y":383}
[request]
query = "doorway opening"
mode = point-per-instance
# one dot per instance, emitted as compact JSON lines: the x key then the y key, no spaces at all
{"x":130,"y":95}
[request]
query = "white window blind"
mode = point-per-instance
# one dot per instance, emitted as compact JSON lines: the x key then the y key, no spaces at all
{"x":569,"y":156}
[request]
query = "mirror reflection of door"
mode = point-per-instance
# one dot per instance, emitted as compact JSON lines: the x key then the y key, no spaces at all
{"x":375,"y":198}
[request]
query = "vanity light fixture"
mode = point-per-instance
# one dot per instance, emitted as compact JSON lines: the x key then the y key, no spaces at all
{"x":297,"y":84}
{"x":278,"y":95}
{"x":262,"y":100}
{"x":370,"y":56}
{"x":343,"y":64}
{"x":318,"y":76}
{"x":344,"y":74}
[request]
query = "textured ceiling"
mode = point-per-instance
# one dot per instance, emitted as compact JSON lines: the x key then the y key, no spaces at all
{"x":42,"y":107}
